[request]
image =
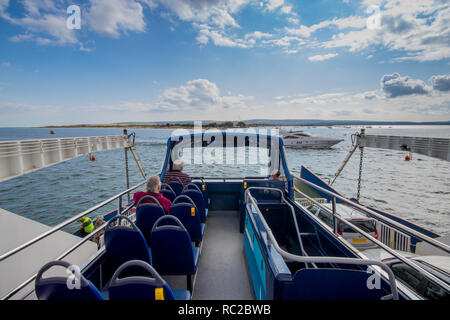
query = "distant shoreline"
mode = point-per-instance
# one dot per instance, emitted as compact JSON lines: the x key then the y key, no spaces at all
{"x":206,"y":126}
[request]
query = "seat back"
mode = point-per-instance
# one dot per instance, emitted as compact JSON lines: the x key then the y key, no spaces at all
{"x":197,"y":197}
{"x":203,"y":188}
{"x":331,"y":284}
{"x":124,"y":243}
{"x":192,"y":186}
{"x":146,"y":216}
{"x":185,"y":210}
{"x":176,"y":186}
{"x":149,"y":286}
{"x":172,"y":250}
{"x":57,"y":287}
{"x":169,"y":194}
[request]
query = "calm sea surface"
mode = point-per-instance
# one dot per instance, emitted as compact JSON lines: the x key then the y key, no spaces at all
{"x":418,"y":190}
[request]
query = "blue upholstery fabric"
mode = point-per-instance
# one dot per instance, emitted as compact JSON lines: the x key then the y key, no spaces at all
{"x":169,"y":194}
{"x":204,"y":192}
{"x":142,"y":287}
{"x":197,"y":197}
{"x":55,"y":288}
{"x":125,"y":243}
{"x":183,"y":211}
{"x":146,"y":216}
{"x":177,"y":187}
{"x":181,"y":294}
{"x":331,"y":284}
{"x":172,"y":250}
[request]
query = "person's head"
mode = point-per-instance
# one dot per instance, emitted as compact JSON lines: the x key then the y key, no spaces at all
{"x":275,"y":175}
{"x":154,"y":184}
{"x":178,"y":165}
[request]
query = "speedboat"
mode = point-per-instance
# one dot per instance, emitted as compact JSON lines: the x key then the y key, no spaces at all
{"x":300,"y":139}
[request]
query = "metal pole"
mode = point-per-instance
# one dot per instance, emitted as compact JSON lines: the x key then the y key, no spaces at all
{"x":361,"y":157}
{"x":125,"y":132}
{"x":335,"y":221}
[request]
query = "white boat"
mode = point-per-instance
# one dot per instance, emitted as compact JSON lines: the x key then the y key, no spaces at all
{"x":300,"y":139}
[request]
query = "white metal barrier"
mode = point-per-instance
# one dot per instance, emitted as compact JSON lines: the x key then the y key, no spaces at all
{"x":24,"y":156}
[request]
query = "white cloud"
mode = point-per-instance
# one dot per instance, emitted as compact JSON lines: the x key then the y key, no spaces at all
{"x":322,"y":57}
{"x":199,"y":94}
{"x":273,"y":4}
{"x":6,"y":64}
{"x":419,"y":28}
{"x":258,"y":35}
{"x":111,"y":17}
{"x":43,"y":22}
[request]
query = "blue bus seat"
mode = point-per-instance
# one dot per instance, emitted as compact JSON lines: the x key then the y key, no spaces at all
{"x":199,"y":187}
{"x":125,"y":243}
{"x":172,"y":250}
{"x":197,"y":197}
{"x":331,"y":284}
{"x":149,"y":287}
{"x":168,"y":192}
{"x":56,"y":287}
{"x":185,"y":210}
{"x":146,"y":216}
{"x":177,"y":187}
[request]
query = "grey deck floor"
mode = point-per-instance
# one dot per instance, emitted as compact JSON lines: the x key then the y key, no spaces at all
{"x":222,"y":272}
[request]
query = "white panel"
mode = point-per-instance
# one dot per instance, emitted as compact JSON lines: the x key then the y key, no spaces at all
{"x":24,"y":156}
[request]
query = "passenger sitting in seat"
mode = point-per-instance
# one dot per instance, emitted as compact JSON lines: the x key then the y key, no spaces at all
{"x":176,"y":173}
{"x":153,"y":188}
{"x":275,"y":175}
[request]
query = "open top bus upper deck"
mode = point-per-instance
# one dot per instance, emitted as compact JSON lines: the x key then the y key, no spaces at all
{"x":254,"y":240}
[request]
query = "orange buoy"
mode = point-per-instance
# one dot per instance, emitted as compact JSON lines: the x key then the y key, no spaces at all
{"x":91,"y":157}
{"x":52,"y":132}
{"x":407,"y":157}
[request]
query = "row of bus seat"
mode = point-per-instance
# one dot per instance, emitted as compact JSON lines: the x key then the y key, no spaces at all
{"x":156,"y":244}
{"x":149,"y":287}
{"x":188,"y":207}
{"x":172,"y":253}
{"x":196,"y":191}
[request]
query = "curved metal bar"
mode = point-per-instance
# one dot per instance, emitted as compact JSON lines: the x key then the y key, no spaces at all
{"x":409,"y":262}
{"x":371,"y":213}
{"x":337,"y":260}
{"x":65,"y":223}
{"x":292,"y":212}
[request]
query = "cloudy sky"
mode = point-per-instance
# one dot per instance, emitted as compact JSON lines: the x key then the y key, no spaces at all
{"x":152,"y":60}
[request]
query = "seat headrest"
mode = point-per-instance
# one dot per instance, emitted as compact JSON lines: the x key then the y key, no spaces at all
{"x":165,"y":186}
{"x":148,"y":286}
{"x":178,"y":224}
{"x":192,"y":186}
{"x":187,"y":199}
{"x":56,"y":287}
{"x":148,"y":197}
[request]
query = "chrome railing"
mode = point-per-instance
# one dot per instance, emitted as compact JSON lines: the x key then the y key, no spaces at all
{"x":62,"y":225}
{"x":336,"y":217}
{"x":317,"y":259}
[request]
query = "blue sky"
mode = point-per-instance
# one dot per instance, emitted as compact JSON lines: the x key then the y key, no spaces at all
{"x":153,"y":60}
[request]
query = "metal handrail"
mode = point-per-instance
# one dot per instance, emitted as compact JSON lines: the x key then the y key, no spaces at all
{"x":67,"y":222}
{"x":371,"y":213}
{"x":297,"y":229}
{"x":408,"y":262}
{"x":336,"y":260}
{"x":62,"y":256}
